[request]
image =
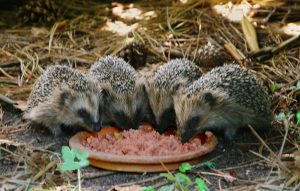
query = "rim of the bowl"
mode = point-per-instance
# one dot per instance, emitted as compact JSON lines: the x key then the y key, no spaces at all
{"x":208,"y":146}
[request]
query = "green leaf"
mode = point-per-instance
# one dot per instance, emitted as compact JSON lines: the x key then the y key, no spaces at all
{"x":167,"y":188}
{"x":169,"y":176}
{"x":69,"y":161}
{"x":148,"y":188}
{"x":273,"y":87}
{"x":298,"y":117}
{"x":201,"y":185}
{"x":83,"y":163}
{"x":298,"y":85}
{"x":81,"y":155}
{"x":185,"y":167}
{"x":298,"y":139}
{"x":210,"y":164}
{"x":280,"y":117}
{"x":67,"y":154}
{"x":181,"y":187}
{"x":182,"y":178}
{"x":69,"y":166}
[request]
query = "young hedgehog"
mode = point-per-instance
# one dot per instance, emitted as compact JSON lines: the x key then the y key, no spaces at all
{"x":63,"y":96}
{"x":226,"y":98}
{"x":163,"y":85}
{"x":123,"y":92}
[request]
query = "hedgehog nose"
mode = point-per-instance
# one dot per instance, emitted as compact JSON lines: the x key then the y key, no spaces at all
{"x":186,"y":135}
{"x":96,"y":126}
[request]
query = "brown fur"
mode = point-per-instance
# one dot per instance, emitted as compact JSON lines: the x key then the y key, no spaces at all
{"x":216,"y":114}
{"x":124,"y":109}
{"x":61,"y":109}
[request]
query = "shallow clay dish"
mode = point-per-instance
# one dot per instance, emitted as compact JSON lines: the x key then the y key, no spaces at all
{"x":141,"y":163}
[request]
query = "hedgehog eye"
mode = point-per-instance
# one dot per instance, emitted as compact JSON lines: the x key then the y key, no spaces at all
{"x":63,"y":97}
{"x":83,"y":113}
{"x":195,"y":119}
{"x":208,"y":98}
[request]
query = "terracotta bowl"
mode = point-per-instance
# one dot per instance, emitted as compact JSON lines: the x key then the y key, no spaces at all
{"x":141,"y":163}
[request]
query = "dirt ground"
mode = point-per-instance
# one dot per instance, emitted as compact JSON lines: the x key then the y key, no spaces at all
{"x":237,"y":160}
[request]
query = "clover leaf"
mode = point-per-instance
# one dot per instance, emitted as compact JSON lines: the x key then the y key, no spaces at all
{"x":201,"y":185}
{"x":182,"y":178}
{"x":184,"y":167}
{"x":73,"y":160}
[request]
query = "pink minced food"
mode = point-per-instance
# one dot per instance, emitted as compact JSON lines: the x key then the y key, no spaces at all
{"x":141,"y":142}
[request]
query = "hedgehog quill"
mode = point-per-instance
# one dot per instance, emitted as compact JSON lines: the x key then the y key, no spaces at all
{"x":123,"y":92}
{"x":226,"y":99}
{"x":164,"y":84}
{"x":63,"y":96}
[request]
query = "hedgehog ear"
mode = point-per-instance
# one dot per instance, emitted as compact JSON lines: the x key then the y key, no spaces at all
{"x":178,"y":88}
{"x":62,"y":94}
{"x":209,"y":98}
{"x":105,"y":93}
{"x":65,"y":95}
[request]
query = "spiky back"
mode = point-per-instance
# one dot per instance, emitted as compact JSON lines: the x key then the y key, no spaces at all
{"x":209,"y":55}
{"x":53,"y":77}
{"x":115,"y":72}
{"x":239,"y":84}
{"x":177,"y":70}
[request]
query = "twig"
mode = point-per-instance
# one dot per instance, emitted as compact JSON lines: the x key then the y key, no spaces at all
{"x":235,"y":53}
{"x":14,"y":82}
{"x":141,"y":181}
{"x":43,"y":171}
{"x":270,"y":150}
{"x":97,"y":175}
{"x":160,"y":184}
{"x":286,"y":129}
{"x":10,"y":64}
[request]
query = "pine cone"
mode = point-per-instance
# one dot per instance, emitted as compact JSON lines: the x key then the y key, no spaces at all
{"x":208,"y":56}
{"x":135,"y":54}
{"x":39,"y":11}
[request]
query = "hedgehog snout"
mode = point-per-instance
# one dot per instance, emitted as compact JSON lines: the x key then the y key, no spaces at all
{"x":97,"y":123}
{"x":96,"y":126}
{"x":186,"y":134}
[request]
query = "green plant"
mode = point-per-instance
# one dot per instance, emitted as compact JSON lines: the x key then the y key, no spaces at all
{"x":180,"y":181}
{"x":297,"y":87}
{"x":282,"y":116}
{"x":273,"y":87}
{"x":74,"y":160}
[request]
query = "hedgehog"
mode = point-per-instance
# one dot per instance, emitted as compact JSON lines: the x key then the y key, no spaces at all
{"x":64,"y":97}
{"x":208,"y":55}
{"x":163,"y":85}
{"x":123,"y":92}
{"x":225,"y":99}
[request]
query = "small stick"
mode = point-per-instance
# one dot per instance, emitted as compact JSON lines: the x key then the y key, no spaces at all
{"x":235,"y":53}
{"x":6,"y":74}
{"x":10,"y":64}
{"x":153,"y":178}
{"x":43,"y":171}
{"x":269,"y":149}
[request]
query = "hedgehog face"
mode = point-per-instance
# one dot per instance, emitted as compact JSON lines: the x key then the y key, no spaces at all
{"x":124,"y":110}
{"x":78,"y":108}
{"x":161,"y":104}
{"x":193,"y":113}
